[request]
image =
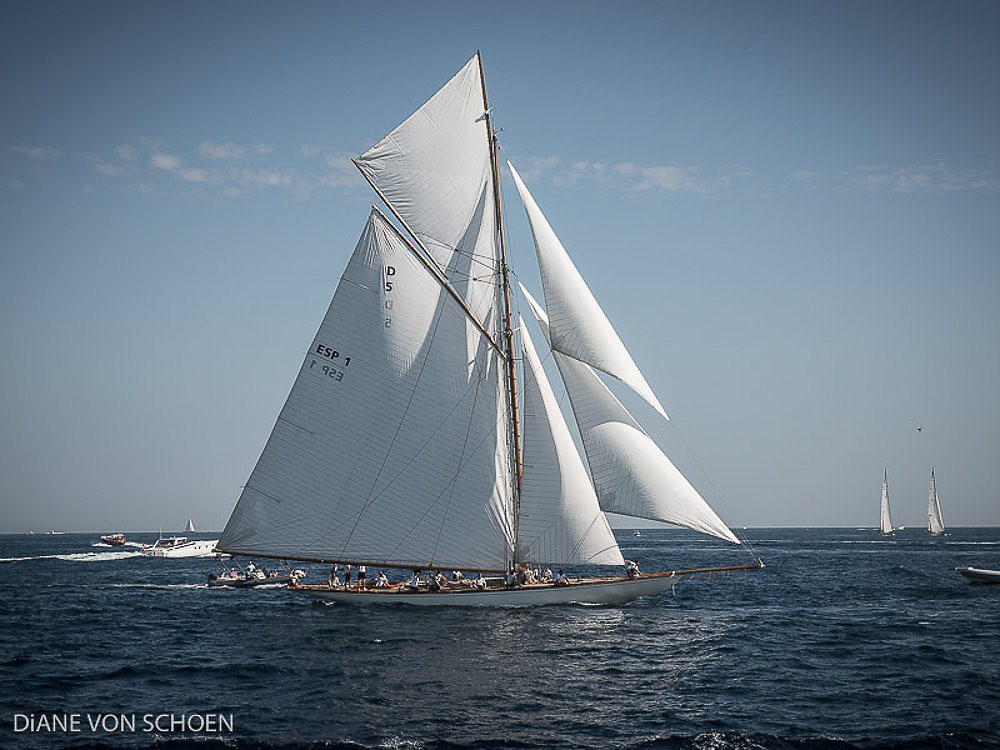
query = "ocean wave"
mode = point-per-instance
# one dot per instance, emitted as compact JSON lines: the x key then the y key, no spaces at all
{"x":77,"y":557}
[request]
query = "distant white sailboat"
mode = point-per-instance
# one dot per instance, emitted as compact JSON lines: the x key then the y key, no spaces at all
{"x":935,"y":521}
{"x":885,"y":522}
{"x":190,"y":526}
{"x":406,"y":441}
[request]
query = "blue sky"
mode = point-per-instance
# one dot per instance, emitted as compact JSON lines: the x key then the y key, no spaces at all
{"x":791,"y":212}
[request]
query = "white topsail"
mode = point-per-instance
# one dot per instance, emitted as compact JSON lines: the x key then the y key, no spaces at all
{"x":389,"y":448}
{"x":434,"y":172}
{"x":631,"y":474}
{"x":560,"y":521}
{"x":578,"y":326}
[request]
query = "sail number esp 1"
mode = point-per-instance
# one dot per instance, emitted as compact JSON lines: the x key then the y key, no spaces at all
{"x":334,"y":368}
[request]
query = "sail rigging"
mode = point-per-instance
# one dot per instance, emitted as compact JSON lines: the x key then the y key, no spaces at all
{"x":406,"y":439}
{"x":631,"y":474}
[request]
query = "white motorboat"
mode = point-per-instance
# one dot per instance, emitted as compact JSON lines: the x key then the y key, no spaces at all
{"x":181,"y":546}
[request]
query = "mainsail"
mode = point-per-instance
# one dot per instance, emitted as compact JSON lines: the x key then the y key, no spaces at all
{"x":885,"y":523}
{"x":935,"y":521}
{"x":402,"y":443}
{"x":390,"y":448}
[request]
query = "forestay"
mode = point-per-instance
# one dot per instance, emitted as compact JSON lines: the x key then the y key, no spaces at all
{"x":390,"y":448}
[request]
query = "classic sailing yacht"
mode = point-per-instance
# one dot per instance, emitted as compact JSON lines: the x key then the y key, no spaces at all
{"x":885,"y":523}
{"x":935,"y":521}
{"x":422,"y":432}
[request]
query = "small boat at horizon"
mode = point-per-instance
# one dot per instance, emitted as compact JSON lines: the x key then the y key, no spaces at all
{"x":885,"y":522}
{"x":935,"y":521}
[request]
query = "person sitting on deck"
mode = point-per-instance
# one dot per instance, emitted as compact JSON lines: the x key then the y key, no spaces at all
{"x":480,"y":583}
{"x":561,"y":579}
{"x":546,"y":576}
{"x":414,"y":581}
{"x":631,"y":569}
{"x":456,"y":575}
{"x":511,"y":579}
{"x":434,"y":582}
{"x":381,"y":582}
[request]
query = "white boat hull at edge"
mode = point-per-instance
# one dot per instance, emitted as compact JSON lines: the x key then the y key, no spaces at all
{"x":980,"y":575}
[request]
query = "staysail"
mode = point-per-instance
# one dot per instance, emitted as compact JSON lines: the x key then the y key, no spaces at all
{"x":935,"y":521}
{"x":560,"y":521}
{"x":631,"y":474}
{"x":390,"y":448}
{"x":885,"y":523}
{"x":578,"y":326}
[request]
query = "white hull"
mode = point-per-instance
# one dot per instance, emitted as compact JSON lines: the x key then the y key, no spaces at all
{"x":204,"y":548}
{"x":980,"y":575}
{"x":585,"y":591}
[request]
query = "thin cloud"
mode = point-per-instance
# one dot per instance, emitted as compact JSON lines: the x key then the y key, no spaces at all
{"x":221,"y":150}
{"x":928,"y":178}
{"x":166,"y":162}
{"x":42,"y":153}
{"x":191,"y":174}
{"x":108,"y":170}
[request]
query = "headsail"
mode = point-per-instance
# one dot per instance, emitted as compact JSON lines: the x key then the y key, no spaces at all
{"x":390,"y":448}
{"x":560,"y":521}
{"x":631,"y":474}
{"x":935,"y":521}
{"x":579,"y":327}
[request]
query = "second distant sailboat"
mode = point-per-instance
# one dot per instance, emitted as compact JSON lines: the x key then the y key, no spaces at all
{"x":935,"y":521}
{"x":885,"y":522}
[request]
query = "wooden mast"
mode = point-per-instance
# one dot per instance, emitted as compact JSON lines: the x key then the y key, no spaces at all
{"x":508,"y":332}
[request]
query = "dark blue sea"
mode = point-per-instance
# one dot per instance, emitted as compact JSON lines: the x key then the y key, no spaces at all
{"x":844,"y":640}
